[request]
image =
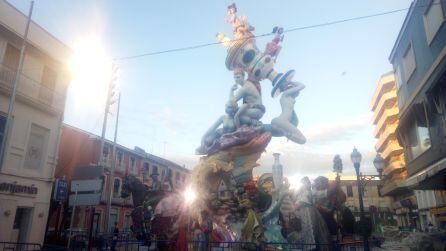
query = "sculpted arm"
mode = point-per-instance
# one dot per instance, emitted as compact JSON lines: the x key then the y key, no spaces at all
{"x":294,"y":90}
{"x":212,"y":129}
{"x":242,"y":109}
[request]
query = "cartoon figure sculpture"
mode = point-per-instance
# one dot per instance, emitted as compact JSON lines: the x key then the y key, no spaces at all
{"x":252,"y":109}
{"x":273,"y":48}
{"x":235,"y":142}
{"x":286,"y":123}
{"x":305,"y":199}
{"x":226,"y":121}
{"x":240,"y":25}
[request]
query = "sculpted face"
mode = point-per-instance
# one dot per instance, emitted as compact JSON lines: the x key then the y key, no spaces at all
{"x":239,"y":77}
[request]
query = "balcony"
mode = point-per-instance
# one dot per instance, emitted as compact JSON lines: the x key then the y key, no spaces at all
{"x":385,"y":84}
{"x":389,"y":116}
{"x":387,"y":100}
{"x":389,"y":133}
{"x":32,"y":91}
{"x":392,"y":148}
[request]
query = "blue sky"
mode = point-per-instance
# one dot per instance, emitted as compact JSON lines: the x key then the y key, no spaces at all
{"x":169,"y":100}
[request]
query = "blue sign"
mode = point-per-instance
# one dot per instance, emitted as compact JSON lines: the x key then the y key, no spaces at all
{"x":61,"y":190}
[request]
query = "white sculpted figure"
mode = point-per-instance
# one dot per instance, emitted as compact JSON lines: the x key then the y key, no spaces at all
{"x":285,"y":124}
{"x":225,"y":121}
{"x":252,"y":109}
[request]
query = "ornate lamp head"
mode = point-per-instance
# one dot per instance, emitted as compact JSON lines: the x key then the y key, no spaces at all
{"x":356,"y":157}
{"x":337,"y":164}
{"x":379,"y":164}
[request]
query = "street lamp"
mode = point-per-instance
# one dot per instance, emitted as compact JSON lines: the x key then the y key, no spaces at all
{"x":337,"y":164}
{"x":379,"y":164}
{"x":356,"y":158}
{"x":337,"y":168}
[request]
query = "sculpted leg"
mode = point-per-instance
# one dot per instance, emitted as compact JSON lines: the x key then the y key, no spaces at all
{"x":288,"y":130}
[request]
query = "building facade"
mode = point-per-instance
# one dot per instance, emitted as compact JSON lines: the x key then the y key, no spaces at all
{"x":26,"y":177}
{"x":78,"y":149}
{"x":419,"y":63}
{"x":374,"y":203}
{"x":385,"y":109}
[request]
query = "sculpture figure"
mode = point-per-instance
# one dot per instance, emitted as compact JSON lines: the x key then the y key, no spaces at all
{"x":252,"y":109}
{"x":273,"y":48}
{"x":226,"y":121}
{"x":285,"y":124}
{"x":305,"y":201}
{"x":240,"y":25}
{"x":314,"y":228}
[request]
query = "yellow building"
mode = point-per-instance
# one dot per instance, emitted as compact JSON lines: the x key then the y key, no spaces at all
{"x":373,"y":200}
{"x":384,"y":105}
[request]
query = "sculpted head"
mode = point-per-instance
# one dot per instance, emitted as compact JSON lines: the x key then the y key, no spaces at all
{"x":239,"y":76}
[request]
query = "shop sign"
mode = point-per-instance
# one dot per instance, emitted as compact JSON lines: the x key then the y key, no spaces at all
{"x":436,"y":211}
{"x":61,"y":190}
{"x":14,"y":188}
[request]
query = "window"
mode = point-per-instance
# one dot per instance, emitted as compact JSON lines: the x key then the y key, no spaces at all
{"x":155,"y":169}
{"x":10,"y":64}
{"x":146,"y":171}
{"x":398,"y":79}
{"x":146,"y":167}
{"x":349,"y":191}
{"x":105,"y":152}
{"x":132,"y":164}
{"x":417,"y":138}
{"x":127,"y":221}
{"x":116,"y":188}
{"x":409,"y":63}
{"x":48,"y":83}
{"x":2,"y":127}
{"x":119,"y":155}
{"x":104,"y":184}
{"x":36,"y":148}
{"x":12,"y":57}
{"x":433,"y":18}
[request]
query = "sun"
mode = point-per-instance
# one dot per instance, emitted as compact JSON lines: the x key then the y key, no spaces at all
{"x":90,"y":70}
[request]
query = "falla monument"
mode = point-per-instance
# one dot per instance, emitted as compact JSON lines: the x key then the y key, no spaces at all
{"x":231,"y":204}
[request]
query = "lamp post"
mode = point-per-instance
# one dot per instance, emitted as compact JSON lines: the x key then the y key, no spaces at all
{"x":356,"y":158}
{"x":379,"y":164}
{"x":337,"y":168}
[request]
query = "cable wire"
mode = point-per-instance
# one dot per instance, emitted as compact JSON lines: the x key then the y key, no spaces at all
{"x":264,"y":35}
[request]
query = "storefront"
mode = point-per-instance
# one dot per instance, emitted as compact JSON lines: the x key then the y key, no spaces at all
{"x":24,"y":205}
{"x":439,"y":215}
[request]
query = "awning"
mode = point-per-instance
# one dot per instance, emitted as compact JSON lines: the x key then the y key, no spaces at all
{"x":428,"y":172}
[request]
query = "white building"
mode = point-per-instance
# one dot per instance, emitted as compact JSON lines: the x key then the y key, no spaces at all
{"x":431,"y":208}
{"x":26,"y":177}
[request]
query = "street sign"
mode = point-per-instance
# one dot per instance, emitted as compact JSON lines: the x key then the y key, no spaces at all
{"x":88,"y":199}
{"x":60,"y":190}
{"x":86,"y":185}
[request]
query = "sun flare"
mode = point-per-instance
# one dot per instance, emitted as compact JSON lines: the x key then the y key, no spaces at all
{"x":90,"y":68}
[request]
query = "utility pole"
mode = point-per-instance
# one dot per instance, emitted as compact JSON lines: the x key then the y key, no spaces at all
{"x":6,"y":135}
{"x":73,"y":212}
{"x":112,"y":171}
{"x":110,"y":94}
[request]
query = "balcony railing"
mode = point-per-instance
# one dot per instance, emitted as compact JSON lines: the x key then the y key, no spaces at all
{"x":32,"y":90}
{"x":388,"y":116}
{"x":387,"y":100}
{"x":383,"y":138}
